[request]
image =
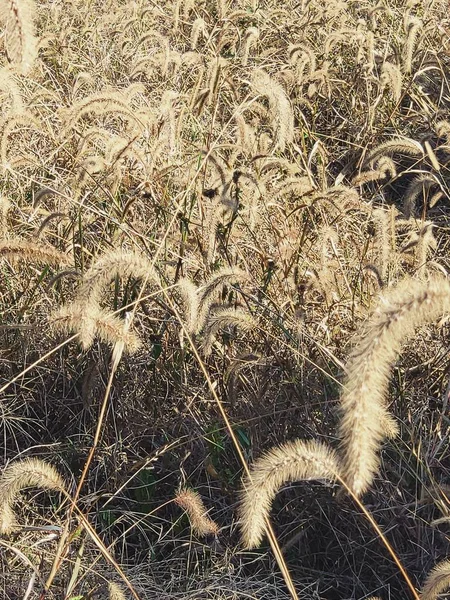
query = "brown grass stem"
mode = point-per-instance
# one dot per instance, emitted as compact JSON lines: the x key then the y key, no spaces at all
{"x":63,"y":542}
{"x":270,"y":533}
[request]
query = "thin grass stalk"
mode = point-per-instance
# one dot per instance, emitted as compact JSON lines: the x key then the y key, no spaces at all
{"x":269,"y":530}
{"x":63,"y":542}
{"x":100,"y":545}
{"x":382,"y":538}
{"x":123,"y":534}
{"x":37,"y":362}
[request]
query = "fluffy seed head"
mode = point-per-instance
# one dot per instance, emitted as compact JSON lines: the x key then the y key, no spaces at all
{"x":437,"y":581}
{"x":23,"y":250}
{"x":294,"y":461}
{"x":31,"y":472}
{"x":191,"y":502}
{"x":363,"y":412}
{"x":115,"y":591}
{"x":17,"y":17}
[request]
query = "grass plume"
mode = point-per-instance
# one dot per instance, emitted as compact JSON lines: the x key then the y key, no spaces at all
{"x":437,"y":581}
{"x":91,"y":321}
{"x":363,"y":400}
{"x":31,"y":472}
{"x":115,"y":591}
{"x":395,"y":146}
{"x":293,"y":461}
{"x":279,"y":104}
{"x":212,"y":291}
{"x":112,"y":264}
{"x":15,"y":250}
{"x":223,"y":317}
{"x":192,"y":503}
{"x":5,"y":206}
{"x":17,"y":16}
{"x":85,"y":316}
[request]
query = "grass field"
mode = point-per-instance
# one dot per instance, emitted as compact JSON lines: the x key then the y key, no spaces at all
{"x":224,"y":299}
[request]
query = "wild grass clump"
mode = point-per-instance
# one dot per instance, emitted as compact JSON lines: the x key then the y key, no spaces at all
{"x":224,"y":229}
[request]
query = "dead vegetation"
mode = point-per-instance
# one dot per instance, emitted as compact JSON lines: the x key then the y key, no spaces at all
{"x":224,"y":237}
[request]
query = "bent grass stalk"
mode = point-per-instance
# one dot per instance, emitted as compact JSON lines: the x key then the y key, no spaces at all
{"x":292,"y":461}
{"x":33,"y":472}
{"x":30,"y":472}
{"x":383,"y":538}
{"x":123,"y":534}
{"x":100,"y":545}
{"x":270,"y":533}
{"x":63,"y":541}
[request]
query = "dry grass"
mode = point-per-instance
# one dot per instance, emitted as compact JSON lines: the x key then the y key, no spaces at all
{"x":213,"y":216}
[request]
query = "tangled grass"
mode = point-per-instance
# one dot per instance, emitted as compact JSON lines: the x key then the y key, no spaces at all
{"x":224,"y":238}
